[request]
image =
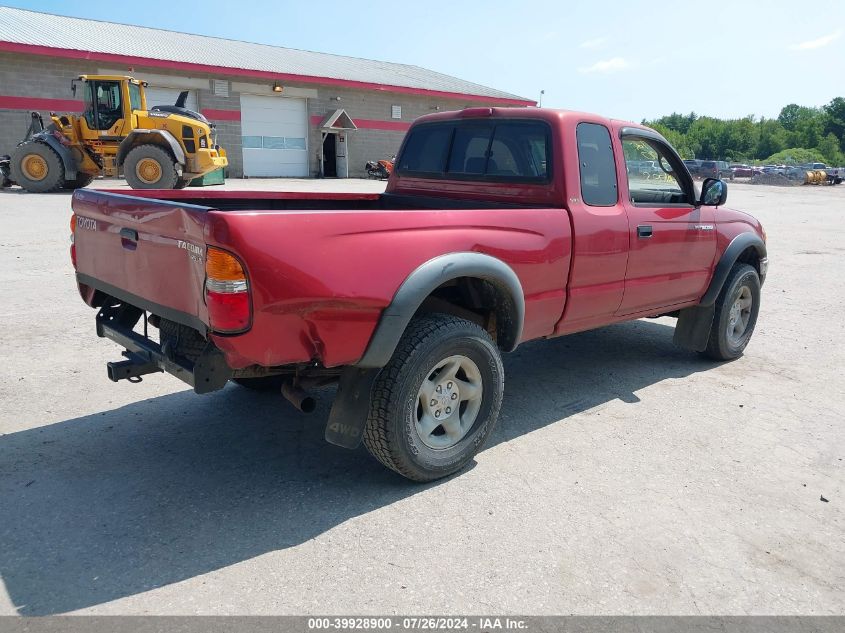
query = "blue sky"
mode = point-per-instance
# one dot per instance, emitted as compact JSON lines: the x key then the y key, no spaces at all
{"x":628,"y":59}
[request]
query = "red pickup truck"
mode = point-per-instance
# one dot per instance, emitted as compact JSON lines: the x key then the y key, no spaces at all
{"x":498,"y":226}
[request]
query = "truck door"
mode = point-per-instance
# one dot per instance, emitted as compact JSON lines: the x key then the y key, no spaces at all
{"x":673,"y":242}
{"x":599,"y":229}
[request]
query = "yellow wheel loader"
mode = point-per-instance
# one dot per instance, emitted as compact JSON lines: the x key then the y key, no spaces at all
{"x":162,"y":147}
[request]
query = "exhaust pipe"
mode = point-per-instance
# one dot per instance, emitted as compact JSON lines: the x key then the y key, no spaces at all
{"x":298,"y":398}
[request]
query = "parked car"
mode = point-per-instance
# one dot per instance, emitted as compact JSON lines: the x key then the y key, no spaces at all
{"x":745,"y":171}
{"x":693,"y":165}
{"x":407,"y":299}
{"x":724,"y":170}
{"x":709,"y":169}
{"x":794,"y":172}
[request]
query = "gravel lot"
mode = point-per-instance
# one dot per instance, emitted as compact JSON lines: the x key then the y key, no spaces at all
{"x":626,"y":476}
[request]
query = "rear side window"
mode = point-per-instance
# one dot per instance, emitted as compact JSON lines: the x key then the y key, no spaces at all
{"x":469,"y":149}
{"x":479,"y":150}
{"x":519,"y":149}
{"x":426,"y":149}
{"x":597,"y":166}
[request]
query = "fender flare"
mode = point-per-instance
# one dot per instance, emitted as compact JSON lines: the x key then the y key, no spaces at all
{"x":64,"y":153}
{"x":720,"y":273}
{"x":133,"y":139}
{"x":423,"y":281}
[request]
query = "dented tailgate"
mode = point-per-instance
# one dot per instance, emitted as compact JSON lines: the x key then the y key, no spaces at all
{"x":148,"y":252}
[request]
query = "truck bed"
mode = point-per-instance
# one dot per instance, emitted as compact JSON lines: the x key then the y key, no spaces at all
{"x":313,"y":201}
{"x":321,"y":267}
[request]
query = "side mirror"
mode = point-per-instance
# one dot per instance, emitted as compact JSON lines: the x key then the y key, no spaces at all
{"x":714,"y":193}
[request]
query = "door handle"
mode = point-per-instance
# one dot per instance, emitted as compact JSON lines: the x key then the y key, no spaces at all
{"x":644,"y":230}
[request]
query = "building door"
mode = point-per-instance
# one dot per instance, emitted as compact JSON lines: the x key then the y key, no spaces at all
{"x":275,"y":132}
{"x":330,"y":156}
{"x":342,"y":156}
{"x":167,"y":96}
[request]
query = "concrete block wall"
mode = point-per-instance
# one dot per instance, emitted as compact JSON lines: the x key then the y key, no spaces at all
{"x":36,"y":76}
{"x":31,"y":76}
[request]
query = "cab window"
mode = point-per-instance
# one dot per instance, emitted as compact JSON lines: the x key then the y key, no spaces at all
{"x":599,"y":187}
{"x":134,"y":96}
{"x":103,"y":105}
{"x":482,"y":150}
{"x":662,"y":181}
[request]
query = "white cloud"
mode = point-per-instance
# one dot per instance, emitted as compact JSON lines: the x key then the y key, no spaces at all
{"x":594,"y":43}
{"x":612,"y":65}
{"x":820,"y":42}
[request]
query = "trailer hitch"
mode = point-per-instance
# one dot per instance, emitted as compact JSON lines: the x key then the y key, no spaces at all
{"x":131,"y":369}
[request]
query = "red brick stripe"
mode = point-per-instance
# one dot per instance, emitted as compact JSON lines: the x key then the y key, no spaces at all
{"x":222,"y":115}
{"x":42,"y":105}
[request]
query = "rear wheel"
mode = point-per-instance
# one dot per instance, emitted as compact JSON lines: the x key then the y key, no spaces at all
{"x":37,"y":168}
{"x":736,"y":314}
{"x":150,"y":167}
{"x":437,"y":400}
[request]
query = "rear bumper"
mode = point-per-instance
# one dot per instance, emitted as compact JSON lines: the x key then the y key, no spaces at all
{"x":209,"y":372}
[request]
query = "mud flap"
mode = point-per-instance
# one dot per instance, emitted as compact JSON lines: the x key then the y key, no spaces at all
{"x":693,"y":329}
{"x":351,"y":407}
{"x":210,"y":370}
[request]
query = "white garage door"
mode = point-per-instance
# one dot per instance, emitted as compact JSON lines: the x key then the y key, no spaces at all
{"x":168,"y":96}
{"x":274,"y":131}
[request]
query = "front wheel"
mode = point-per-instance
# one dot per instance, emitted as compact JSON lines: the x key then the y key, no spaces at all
{"x":36,"y":167}
{"x":150,"y":167}
{"x":736,"y":314}
{"x":437,"y":400}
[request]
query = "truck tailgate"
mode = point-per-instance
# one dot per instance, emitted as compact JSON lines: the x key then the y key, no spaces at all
{"x":148,"y":252}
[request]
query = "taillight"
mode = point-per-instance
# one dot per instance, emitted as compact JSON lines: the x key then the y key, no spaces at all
{"x":72,"y":239}
{"x":226,"y":292}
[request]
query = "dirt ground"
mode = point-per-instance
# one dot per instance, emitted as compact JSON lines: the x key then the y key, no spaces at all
{"x":625,"y":476}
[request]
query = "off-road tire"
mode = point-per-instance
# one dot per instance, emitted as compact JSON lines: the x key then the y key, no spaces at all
{"x":167,"y":167}
{"x":719,"y":345}
{"x":261,"y":383}
{"x":52,"y":181}
{"x":81,"y":180}
{"x":390,"y":434}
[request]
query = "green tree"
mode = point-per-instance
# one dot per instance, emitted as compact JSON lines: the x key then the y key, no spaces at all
{"x":772,"y":138}
{"x":797,"y":129}
{"x":835,"y":123}
{"x":789,"y":116}
{"x":829,"y":148}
